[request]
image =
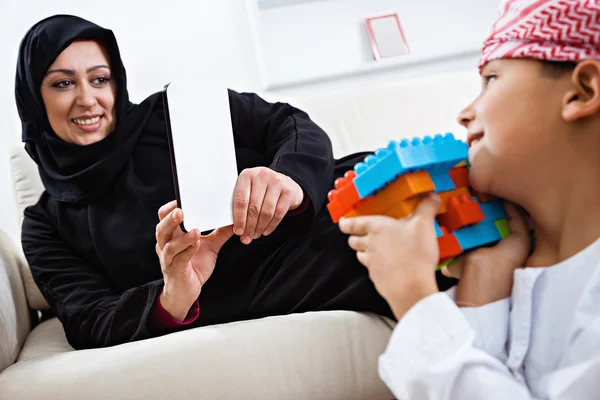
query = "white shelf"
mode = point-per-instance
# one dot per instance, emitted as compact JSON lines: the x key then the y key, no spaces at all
{"x":374,"y":67}
{"x":263,"y":4}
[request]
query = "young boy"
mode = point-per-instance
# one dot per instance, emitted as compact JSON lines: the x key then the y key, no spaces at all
{"x":523,"y":324}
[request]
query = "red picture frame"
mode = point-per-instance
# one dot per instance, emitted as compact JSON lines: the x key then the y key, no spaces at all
{"x":373,"y":37}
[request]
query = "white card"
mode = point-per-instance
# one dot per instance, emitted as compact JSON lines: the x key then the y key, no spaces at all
{"x":202,"y":152}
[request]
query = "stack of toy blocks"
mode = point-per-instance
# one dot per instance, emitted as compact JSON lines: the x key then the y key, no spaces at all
{"x":393,"y":180}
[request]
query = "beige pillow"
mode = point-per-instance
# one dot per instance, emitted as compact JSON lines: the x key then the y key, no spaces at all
{"x":28,"y":188}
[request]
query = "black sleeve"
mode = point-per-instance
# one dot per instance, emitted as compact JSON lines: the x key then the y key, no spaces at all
{"x":92,"y":311}
{"x":291,"y":143}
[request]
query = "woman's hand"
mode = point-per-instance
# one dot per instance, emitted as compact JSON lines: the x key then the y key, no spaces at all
{"x":187,"y":260}
{"x":261,"y":199}
{"x":486,"y":274}
{"x":400,"y":254}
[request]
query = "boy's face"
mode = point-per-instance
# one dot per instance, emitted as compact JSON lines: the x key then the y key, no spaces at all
{"x":513,"y":126}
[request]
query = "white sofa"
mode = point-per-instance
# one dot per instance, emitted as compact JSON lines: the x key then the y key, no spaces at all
{"x":318,"y":355}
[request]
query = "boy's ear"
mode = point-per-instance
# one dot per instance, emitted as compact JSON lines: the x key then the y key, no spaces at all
{"x":583,"y":98}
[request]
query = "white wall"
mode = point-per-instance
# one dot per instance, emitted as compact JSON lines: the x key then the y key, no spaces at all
{"x":335,"y":42}
{"x":159,"y":41}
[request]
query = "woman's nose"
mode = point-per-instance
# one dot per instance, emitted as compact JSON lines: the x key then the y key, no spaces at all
{"x":86,"y":98}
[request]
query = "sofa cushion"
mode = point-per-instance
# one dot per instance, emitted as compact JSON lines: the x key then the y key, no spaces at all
{"x":28,"y":188}
{"x":14,"y":314}
{"x":317,"y":355}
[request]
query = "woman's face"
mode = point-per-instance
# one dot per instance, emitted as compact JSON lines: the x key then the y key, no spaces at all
{"x":79,"y":95}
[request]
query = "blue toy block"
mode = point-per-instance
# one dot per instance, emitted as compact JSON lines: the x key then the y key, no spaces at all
{"x":441,"y":180}
{"x":485,"y":232}
{"x":438,"y":231}
{"x":493,"y":210}
{"x":441,"y":152}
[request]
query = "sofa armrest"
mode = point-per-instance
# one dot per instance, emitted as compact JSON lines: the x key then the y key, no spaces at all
{"x":15,"y":322}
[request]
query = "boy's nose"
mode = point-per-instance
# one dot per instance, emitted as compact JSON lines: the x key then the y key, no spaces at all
{"x":466,"y":116}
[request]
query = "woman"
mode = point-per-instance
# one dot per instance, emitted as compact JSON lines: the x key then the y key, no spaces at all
{"x":110,"y":269}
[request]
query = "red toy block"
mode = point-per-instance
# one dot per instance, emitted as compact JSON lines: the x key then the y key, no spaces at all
{"x":462,"y":211}
{"x":448,"y":245}
{"x":445,"y":196}
{"x":460,"y":177}
{"x":344,"y":197}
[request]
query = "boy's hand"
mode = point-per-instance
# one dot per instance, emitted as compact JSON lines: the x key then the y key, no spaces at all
{"x":401,"y":254}
{"x":486,"y":274}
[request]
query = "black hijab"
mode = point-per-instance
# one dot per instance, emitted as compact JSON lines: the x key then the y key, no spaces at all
{"x":73,"y":173}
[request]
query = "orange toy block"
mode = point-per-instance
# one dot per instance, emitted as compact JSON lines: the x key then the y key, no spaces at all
{"x":404,"y":208}
{"x":344,"y":197}
{"x":393,"y":195}
{"x":462,"y":211}
{"x":445,"y":196}
{"x":448,"y":245}
{"x":460,"y":177}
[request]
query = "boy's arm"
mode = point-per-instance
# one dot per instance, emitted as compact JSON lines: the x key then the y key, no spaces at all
{"x":432,"y":355}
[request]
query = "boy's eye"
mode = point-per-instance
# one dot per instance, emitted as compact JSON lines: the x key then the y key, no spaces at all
{"x":488,"y":78}
{"x":65,"y":83}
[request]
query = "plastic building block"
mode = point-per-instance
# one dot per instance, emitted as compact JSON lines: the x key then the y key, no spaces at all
{"x":393,"y":180}
{"x":404,"y":208}
{"x":460,"y":177}
{"x":444,"y":262}
{"x":443,"y":152}
{"x":343,"y":198}
{"x":502,"y":225}
{"x":463,"y":210}
{"x":449,"y":245}
{"x":493,"y":210}
{"x":445,"y":196}
{"x":477,"y":235}
{"x":438,"y":230}
{"x":442,"y":180}
{"x":404,"y":187}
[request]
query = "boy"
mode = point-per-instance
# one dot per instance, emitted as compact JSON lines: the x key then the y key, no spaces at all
{"x":529,"y":326}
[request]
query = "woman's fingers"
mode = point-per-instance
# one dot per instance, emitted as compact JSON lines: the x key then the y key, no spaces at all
{"x":166,"y":209}
{"x":283,"y":206}
{"x":167,"y":226}
{"x":241,"y":200}
{"x":257,"y":195}
{"x":267,"y":210}
{"x":177,"y":249}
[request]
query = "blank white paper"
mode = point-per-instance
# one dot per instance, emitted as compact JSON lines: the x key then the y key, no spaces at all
{"x":204,"y":152}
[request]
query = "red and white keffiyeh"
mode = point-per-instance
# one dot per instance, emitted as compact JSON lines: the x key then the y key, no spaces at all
{"x":552,"y":30}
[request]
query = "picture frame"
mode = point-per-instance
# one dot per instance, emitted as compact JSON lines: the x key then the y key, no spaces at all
{"x":387,"y":36}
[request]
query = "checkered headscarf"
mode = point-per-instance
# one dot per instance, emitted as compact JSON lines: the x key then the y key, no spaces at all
{"x":553,"y":30}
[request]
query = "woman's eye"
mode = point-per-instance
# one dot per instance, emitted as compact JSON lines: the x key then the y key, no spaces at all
{"x":63,"y":84}
{"x":101,"y":80}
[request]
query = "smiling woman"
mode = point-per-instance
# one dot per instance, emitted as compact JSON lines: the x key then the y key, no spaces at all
{"x":114,"y":271}
{"x":79,"y":95}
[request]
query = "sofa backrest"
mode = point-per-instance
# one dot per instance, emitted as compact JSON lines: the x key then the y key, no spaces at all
{"x":364,"y":119}
{"x":15,"y":322}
